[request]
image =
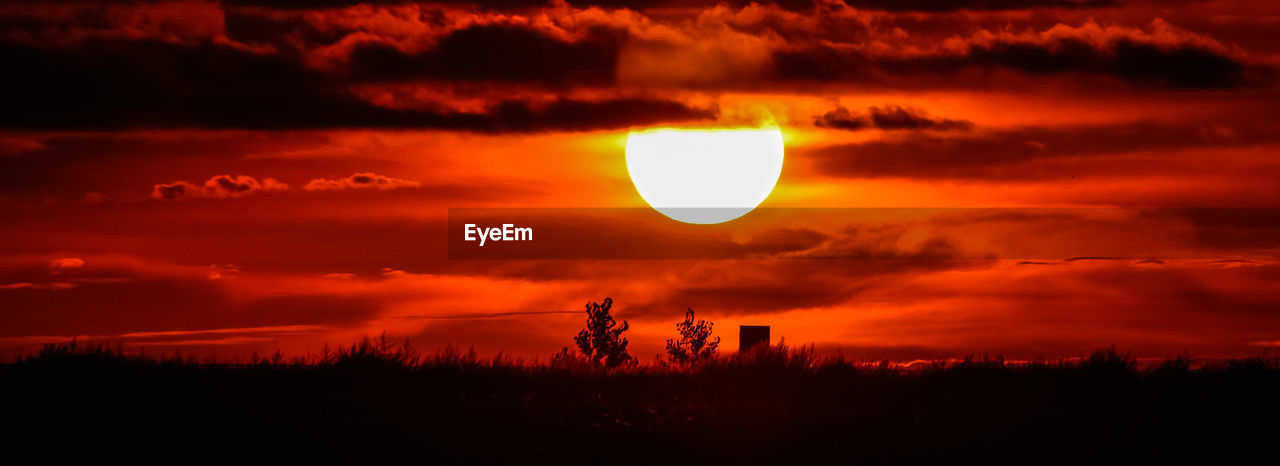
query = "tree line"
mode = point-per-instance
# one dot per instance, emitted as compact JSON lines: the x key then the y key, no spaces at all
{"x":601,"y":341}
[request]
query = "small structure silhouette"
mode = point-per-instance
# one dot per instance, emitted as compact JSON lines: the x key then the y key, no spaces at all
{"x":752,"y":335}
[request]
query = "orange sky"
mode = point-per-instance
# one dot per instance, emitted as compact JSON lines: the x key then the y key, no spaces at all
{"x":960,"y":177}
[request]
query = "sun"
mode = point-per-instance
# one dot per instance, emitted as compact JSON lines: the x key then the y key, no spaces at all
{"x":704,"y":176}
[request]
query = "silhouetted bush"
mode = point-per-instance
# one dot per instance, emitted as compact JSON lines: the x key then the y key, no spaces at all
{"x":695,"y":343}
{"x":601,"y":342}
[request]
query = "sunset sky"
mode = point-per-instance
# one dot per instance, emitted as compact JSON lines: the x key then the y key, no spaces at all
{"x":1038,"y":178}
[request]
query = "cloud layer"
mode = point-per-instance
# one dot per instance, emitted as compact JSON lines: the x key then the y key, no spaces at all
{"x":451,"y":67}
{"x":221,"y":186}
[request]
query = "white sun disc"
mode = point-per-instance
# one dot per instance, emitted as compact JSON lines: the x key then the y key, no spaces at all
{"x":704,"y":175}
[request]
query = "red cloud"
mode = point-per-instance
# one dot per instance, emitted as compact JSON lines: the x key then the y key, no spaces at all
{"x":360,"y":181}
{"x":221,"y":186}
{"x":66,"y":263}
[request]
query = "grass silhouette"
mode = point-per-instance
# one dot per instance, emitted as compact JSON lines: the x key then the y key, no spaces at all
{"x":379,"y":402}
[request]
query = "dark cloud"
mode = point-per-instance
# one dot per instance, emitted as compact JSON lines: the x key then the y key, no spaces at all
{"x":496,"y":53}
{"x":793,"y":5}
{"x":1037,"y":263}
{"x":174,"y":191}
{"x":784,"y":240}
{"x":577,"y":115}
{"x":890,"y":117}
{"x":789,"y":285}
{"x":221,"y":186}
{"x":999,"y":153}
{"x":1139,"y":62}
{"x":321,"y":4}
{"x":1243,"y":229}
{"x":121,"y":84}
{"x":1177,"y":66}
{"x":953,"y":5}
{"x":285,"y":32}
{"x":300,"y":73}
{"x":1093,"y":258}
{"x":845,"y":265}
{"x":112,"y":84}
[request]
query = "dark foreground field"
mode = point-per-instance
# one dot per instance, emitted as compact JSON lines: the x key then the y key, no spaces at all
{"x":376,"y":406}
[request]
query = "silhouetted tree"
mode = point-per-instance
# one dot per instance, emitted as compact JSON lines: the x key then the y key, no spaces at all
{"x":601,"y":342}
{"x":695,"y":343}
